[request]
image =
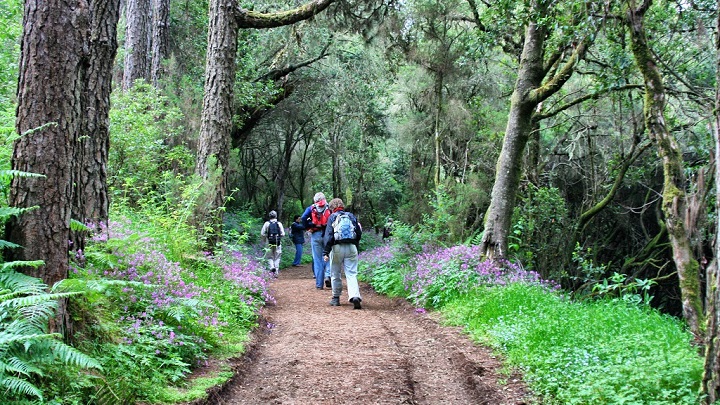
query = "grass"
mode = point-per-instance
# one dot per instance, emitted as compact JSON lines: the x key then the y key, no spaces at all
{"x":599,"y":352}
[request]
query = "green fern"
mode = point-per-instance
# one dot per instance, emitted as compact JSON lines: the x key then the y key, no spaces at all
{"x":26,"y":348}
{"x":77,"y":226}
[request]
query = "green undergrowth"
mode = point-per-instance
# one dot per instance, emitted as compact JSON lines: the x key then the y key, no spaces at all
{"x":593,"y":352}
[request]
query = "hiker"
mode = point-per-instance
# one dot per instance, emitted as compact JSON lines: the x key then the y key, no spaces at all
{"x":297,"y":234}
{"x":315,"y":218}
{"x":342,"y":240}
{"x":388,"y":229}
{"x":272,"y":233}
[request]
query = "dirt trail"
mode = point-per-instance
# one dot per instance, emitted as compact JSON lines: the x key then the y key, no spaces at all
{"x":386,"y":353}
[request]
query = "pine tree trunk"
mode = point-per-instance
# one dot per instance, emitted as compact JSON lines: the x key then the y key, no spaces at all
{"x":53,"y":65}
{"x":90,"y":198}
{"x":216,"y":122}
{"x":161,"y":17}
{"x":137,"y":14}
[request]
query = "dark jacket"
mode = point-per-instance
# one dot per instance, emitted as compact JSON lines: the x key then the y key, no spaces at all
{"x":297,"y":233}
{"x":329,"y":237}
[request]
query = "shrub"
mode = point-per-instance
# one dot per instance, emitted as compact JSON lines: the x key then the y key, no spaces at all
{"x":442,"y":274}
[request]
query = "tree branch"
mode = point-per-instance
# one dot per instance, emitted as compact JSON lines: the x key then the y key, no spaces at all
{"x":252,"y":19}
{"x":579,"y":100}
{"x":277,"y":74}
{"x":562,"y":76}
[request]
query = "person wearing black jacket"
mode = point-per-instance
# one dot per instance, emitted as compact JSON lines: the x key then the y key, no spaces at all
{"x":342,"y":239}
{"x":297,"y":233}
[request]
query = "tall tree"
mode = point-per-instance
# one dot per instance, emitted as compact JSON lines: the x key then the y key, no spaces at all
{"x":711,"y":373}
{"x":159,"y":43}
{"x":226,"y":18}
{"x":137,"y":65}
{"x":674,"y":197}
{"x":53,"y":68}
{"x":90,"y":199}
{"x":538,"y":78}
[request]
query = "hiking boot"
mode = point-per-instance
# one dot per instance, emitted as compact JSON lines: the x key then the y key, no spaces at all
{"x":335,"y":302}
{"x":356,"y":302}
{"x":328,"y":283}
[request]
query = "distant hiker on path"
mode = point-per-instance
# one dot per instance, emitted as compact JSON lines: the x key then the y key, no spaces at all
{"x":388,"y":229}
{"x":272,"y":232}
{"x":297,"y":233}
{"x":342,"y":239}
{"x":315,"y":218}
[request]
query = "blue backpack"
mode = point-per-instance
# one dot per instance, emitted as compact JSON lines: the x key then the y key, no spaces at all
{"x":343,"y":228}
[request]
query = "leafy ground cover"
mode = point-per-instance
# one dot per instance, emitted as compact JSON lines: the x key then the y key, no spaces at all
{"x":604,"y":351}
{"x":144,"y":319}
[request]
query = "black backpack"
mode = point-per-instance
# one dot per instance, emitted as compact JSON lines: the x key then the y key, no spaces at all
{"x":273,"y":233}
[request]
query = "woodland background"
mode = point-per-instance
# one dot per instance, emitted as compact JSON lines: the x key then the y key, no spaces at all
{"x":576,"y":139}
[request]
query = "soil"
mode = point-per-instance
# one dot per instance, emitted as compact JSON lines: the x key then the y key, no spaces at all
{"x":308,"y":352}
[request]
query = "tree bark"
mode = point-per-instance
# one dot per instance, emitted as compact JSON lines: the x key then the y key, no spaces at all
{"x":216,"y":121}
{"x":674,"y":198}
{"x":136,"y":42}
{"x":528,"y":93}
{"x":53,"y":65}
{"x":90,"y":198}
{"x":517,"y":131}
{"x":160,"y":26}
{"x":711,"y":374}
{"x":437,"y":132}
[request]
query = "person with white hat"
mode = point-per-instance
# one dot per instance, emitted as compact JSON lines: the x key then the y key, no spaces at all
{"x":315,"y":220}
{"x":272,"y":232}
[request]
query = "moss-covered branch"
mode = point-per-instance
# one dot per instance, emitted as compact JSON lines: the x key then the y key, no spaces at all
{"x":252,"y":19}
{"x":562,"y":76}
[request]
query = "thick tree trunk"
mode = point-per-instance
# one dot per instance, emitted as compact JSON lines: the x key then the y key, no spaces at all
{"x":216,"y":123}
{"x":161,"y":18}
{"x":90,"y":198}
{"x":509,"y":165}
{"x":674,"y":199}
{"x":53,"y":64}
{"x":137,"y":14}
{"x":711,"y":375}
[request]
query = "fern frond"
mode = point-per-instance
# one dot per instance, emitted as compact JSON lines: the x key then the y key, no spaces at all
{"x":106,"y":396}
{"x":25,"y":339}
{"x":17,"y":366}
{"x":70,"y":355}
{"x":77,"y":226}
{"x":36,"y":300}
{"x":21,"y":283}
{"x":9,"y":245}
{"x":105,"y":260}
{"x":7,"y":212}
{"x":21,"y":263}
{"x":18,"y":386}
{"x":7,"y":175}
